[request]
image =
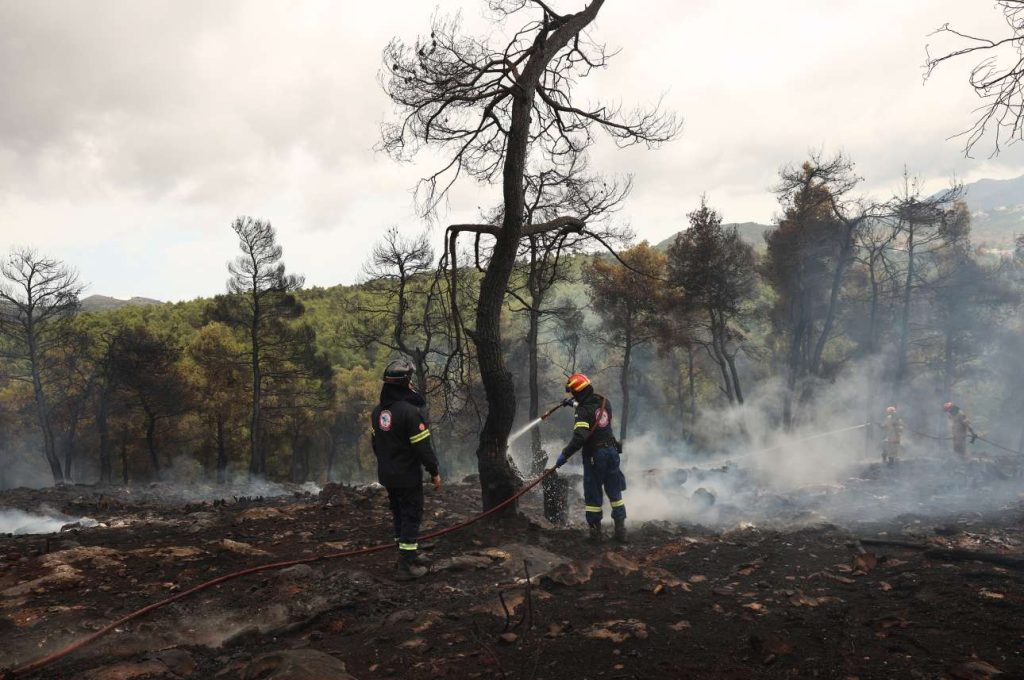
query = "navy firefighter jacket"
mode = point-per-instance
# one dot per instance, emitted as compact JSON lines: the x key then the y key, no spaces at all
{"x":593,"y":428}
{"x":401,"y":438}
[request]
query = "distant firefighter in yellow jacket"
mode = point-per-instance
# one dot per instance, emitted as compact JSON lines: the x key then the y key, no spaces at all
{"x":892,"y":446}
{"x":961,"y":428}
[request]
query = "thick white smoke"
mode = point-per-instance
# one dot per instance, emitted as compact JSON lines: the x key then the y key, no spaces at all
{"x":18,"y":522}
{"x":825,"y":469}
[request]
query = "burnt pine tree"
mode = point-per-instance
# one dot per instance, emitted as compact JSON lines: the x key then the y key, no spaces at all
{"x":546,"y":260}
{"x":401,"y":310}
{"x":925,"y":227}
{"x":38,"y":300}
{"x":495,"y":109}
{"x":108,"y":403}
{"x":623,"y":294}
{"x":714,"y":269}
{"x":76,"y":382}
{"x":807,"y":259}
{"x":221,"y":381}
{"x":145,"y":367}
{"x":266,"y":301}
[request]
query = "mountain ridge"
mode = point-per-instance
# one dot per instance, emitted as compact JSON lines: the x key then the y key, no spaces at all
{"x":102,"y":303}
{"x":996,"y":207}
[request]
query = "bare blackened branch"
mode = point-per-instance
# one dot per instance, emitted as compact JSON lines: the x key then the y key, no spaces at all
{"x":455,"y":92}
{"x":997,"y":80}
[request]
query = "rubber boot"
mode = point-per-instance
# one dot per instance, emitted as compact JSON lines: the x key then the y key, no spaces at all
{"x":420,"y":559}
{"x":595,"y":534}
{"x":407,"y":569}
{"x":620,"y":530}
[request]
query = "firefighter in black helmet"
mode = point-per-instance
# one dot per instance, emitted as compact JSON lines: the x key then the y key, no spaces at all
{"x":592,"y":432}
{"x":401,"y":443}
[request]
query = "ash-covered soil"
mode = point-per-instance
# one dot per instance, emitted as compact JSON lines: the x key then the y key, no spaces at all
{"x":676,"y":602}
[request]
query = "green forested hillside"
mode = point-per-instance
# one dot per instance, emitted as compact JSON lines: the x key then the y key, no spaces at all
{"x":830,"y":309}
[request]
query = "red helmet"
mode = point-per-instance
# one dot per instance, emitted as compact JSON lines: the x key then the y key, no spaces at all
{"x":890,"y":409}
{"x":948,"y":406}
{"x":576,"y":383}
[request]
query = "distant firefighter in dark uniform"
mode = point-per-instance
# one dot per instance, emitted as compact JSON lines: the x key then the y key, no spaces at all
{"x":892,"y":445}
{"x":961,"y":428}
{"x":401,"y":443}
{"x":593,"y":434}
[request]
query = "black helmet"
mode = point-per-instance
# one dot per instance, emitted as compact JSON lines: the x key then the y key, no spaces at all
{"x":399,"y":372}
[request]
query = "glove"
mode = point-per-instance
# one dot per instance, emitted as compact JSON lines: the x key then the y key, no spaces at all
{"x":568,"y":402}
{"x":562,"y":458}
{"x":974,"y":437}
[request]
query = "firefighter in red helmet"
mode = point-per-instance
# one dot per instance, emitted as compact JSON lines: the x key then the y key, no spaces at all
{"x":592,"y":432}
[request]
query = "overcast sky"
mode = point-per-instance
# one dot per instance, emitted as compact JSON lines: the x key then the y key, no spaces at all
{"x":131,"y":133}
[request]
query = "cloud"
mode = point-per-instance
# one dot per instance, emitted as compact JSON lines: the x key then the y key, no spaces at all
{"x":125,"y":126}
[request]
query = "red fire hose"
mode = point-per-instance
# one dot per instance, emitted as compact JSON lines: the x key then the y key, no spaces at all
{"x":89,"y":639}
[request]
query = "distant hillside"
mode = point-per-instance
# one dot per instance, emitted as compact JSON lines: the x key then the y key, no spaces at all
{"x":102,"y":303}
{"x":997,"y":209}
{"x":751,"y":232}
{"x":996,"y":205}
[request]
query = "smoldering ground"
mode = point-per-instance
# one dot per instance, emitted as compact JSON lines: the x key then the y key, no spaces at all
{"x":827,"y":469}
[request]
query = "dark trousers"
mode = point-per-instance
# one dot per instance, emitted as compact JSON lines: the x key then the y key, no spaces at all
{"x":601,"y":472}
{"x":407,"y":511}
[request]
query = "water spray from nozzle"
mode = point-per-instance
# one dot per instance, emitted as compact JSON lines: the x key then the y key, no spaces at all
{"x":537,"y":421}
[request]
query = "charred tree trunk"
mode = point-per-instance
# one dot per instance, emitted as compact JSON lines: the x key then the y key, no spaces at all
{"x":901,"y":357}
{"x":332,"y":453}
{"x":728,"y":361}
{"x":124,"y":454}
{"x":298,"y":463}
{"x":420,"y":362}
{"x":106,"y":466}
{"x":723,"y":369}
{"x":842,"y":261}
{"x":257,"y":460}
{"x":948,"y":363}
{"x":222,"y":451}
{"x":70,"y":448}
{"x":873,"y":313}
{"x":872,"y":348}
{"x":538,"y":456}
{"x":624,"y":383}
{"x":692,"y":385}
{"x":154,"y":459}
{"x":680,"y":393}
{"x":719,"y":357}
{"x":43,"y":410}
{"x":498,"y":478}
{"x":792,"y":374}
{"x":737,"y":390}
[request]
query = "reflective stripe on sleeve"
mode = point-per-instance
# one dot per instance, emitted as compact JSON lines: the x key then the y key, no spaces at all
{"x":618,"y":504}
{"x":417,"y":438}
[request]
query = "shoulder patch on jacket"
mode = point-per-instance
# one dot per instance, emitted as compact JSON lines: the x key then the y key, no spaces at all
{"x":384,"y":420}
